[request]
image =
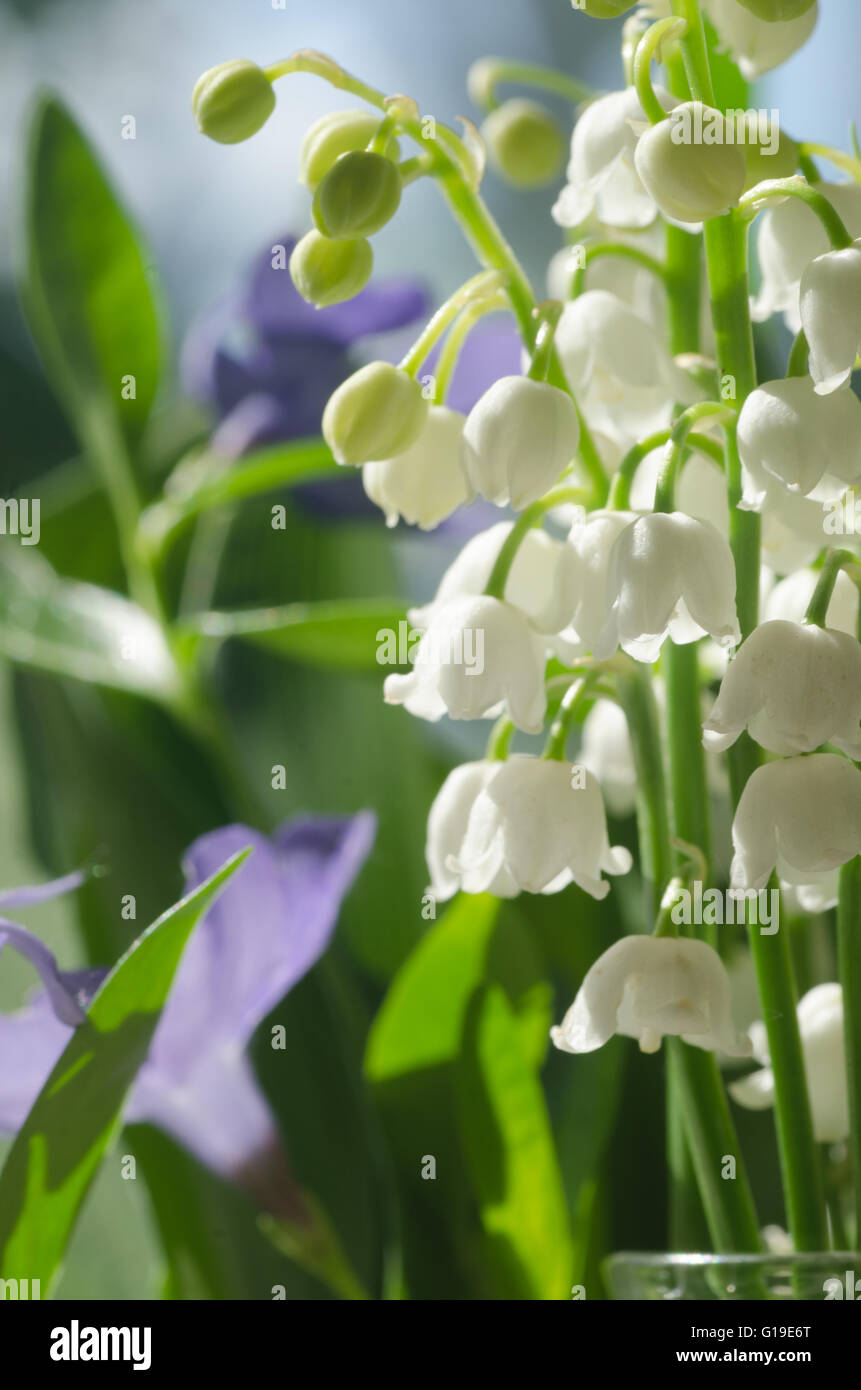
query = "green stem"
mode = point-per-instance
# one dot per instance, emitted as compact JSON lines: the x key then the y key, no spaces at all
{"x":800,"y":351}
{"x":573,"y":701}
{"x":488,"y":73}
{"x":529,"y":518}
{"x":798,"y":187}
{"x":835,"y":561}
{"x":548,"y":315}
{"x":691,"y":818}
{"x":457,"y":336}
{"x":849,"y":961}
{"x":598,"y":249}
{"x":637,"y":699}
{"x":850,"y":163}
{"x":648,"y":46}
{"x":486,"y":284}
{"x":499,"y":740}
{"x":665,"y":493}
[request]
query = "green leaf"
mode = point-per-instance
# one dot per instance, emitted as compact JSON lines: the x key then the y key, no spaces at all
{"x":87,"y":289}
{"x":342,"y":635}
{"x":80,"y":630}
{"x":508,"y":1143}
{"x":58,"y":1151}
{"x":204,"y":480}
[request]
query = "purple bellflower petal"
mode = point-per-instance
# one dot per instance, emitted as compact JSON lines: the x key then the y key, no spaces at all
{"x":61,"y":987}
{"x":41,"y":892}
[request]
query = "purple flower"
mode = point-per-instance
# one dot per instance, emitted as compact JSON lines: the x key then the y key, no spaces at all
{"x":272,"y":922}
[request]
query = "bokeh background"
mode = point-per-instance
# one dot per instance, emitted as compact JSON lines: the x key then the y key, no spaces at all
{"x":206,"y":211}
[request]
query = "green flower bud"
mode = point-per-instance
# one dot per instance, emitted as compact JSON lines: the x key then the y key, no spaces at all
{"x":327,"y":272}
{"x":690,"y":164}
{"x":232,"y":101}
{"x":358,"y":196}
{"x":775,"y":10}
{"x":604,"y":9}
{"x":376,"y":413}
{"x":339,"y":133}
{"x":525,"y":143}
{"x":768,"y":152}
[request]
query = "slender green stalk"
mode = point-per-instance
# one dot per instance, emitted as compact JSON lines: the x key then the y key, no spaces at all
{"x":637,"y":699}
{"x":849,"y":961}
{"x":647,"y":48}
{"x":487,"y":284}
{"x":798,"y":187}
{"x":487,"y":74}
{"x":665,"y":493}
{"x":835,"y":561}
{"x":528,"y":519}
{"x":457,"y":336}
{"x":599,"y":249}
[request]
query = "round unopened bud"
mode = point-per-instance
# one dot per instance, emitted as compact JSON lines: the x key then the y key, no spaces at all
{"x":340,"y":132}
{"x":358,"y":196}
{"x":690,"y":163}
{"x":232,"y":101}
{"x":776,"y":10}
{"x":328,"y":272}
{"x":376,"y":413}
{"x":526,"y":144}
{"x":604,"y":9}
{"x":769,"y":153}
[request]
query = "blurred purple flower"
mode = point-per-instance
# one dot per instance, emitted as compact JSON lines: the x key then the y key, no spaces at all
{"x":272,"y":922}
{"x":266,"y":362}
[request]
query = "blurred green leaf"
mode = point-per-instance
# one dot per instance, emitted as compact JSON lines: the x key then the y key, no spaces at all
{"x":341,"y":635}
{"x":508,"y":1143}
{"x":75,"y":629}
{"x":58,"y":1150}
{"x":87,"y":290}
{"x":204,"y":480}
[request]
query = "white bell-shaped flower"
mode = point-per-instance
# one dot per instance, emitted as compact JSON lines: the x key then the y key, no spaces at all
{"x":790,"y":237}
{"x":758,"y":45}
{"x":801,"y":816}
{"x":601,"y":173}
{"x":427,"y":483}
{"x":789,"y":432}
{"x":647,"y":988}
{"x":793,"y":527}
{"x":618,"y":367}
{"x":691,"y":165}
{"x":790,"y":599}
{"x":519,"y":438}
{"x":542,"y":581}
{"x":593,"y":538}
{"x":475,"y":654}
{"x":530,"y":825}
{"x":669,"y":575}
{"x":820,"y":1024}
{"x":606,"y":750}
{"x":831,"y":316}
{"x":795,"y":687}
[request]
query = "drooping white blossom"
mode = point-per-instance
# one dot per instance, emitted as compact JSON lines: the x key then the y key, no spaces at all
{"x":606,"y":750}
{"x":786,"y":431}
{"x":668,"y":575}
{"x":830,"y":306}
{"x":542,"y":581}
{"x":519,"y":438}
{"x":601,"y":173}
{"x":795,"y":687}
{"x":801,"y":816}
{"x":427,"y":483}
{"x":619,"y":368}
{"x":820,"y":1024}
{"x":789,"y":237}
{"x":756,"y":44}
{"x":475,"y":654}
{"x":647,"y":987}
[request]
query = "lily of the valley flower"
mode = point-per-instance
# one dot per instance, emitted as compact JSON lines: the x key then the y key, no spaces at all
{"x":518,"y":440}
{"x":427,"y":483}
{"x":787,"y":431}
{"x":795,"y":687}
{"x":757,"y":44}
{"x":476,"y":653}
{"x":619,"y":369}
{"x":270,"y":925}
{"x":820,"y":1023}
{"x":601,"y":173}
{"x":801,"y":816}
{"x":526,"y":825}
{"x":667,"y":574}
{"x":691,"y":165}
{"x":542,"y":581}
{"x":648,"y":987}
{"x":789,"y":238}
{"x":831,"y":315}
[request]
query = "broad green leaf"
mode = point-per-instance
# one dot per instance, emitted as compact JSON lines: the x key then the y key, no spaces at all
{"x":507,"y":1139}
{"x":204,"y":480}
{"x":87,"y":288}
{"x":80,"y":630}
{"x":346,"y":634}
{"x":59,"y":1149}
{"x":420,"y":1024}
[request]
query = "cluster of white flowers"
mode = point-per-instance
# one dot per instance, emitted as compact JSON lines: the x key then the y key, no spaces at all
{"x":646,"y":556}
